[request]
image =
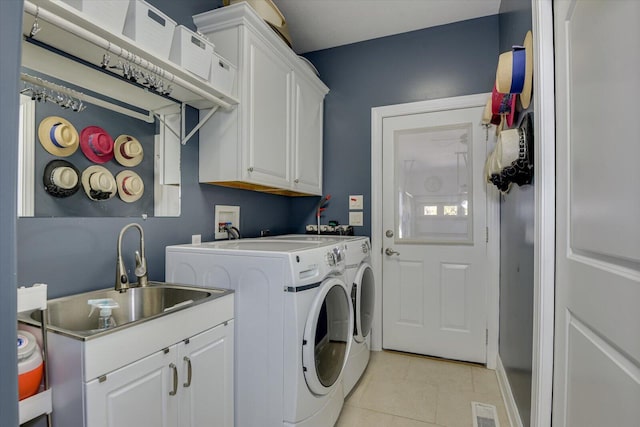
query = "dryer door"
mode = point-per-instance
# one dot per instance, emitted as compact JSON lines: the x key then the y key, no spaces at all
{"x":327,"y":336}
{"x":363,"y":296}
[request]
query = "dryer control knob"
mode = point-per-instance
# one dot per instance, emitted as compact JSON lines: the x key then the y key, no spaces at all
{"x":365,"y":248}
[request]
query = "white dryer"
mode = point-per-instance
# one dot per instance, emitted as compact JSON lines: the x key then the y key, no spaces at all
{"x":293,"y":323}
{"x":361,"y":282}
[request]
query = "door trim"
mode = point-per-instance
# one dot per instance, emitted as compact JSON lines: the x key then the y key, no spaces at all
{"x":545,"y":213}
{"x":493,"y":212}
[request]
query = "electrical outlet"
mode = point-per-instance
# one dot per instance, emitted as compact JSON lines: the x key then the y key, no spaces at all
{"x":356,"y":202}
{"x":226,"y":216}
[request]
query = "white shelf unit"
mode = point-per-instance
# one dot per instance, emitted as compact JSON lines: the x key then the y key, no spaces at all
{"x":68,"y":30}
{"x":29,"y":299}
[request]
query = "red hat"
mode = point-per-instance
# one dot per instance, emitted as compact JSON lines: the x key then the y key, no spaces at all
{"x":96,"y":144}
{"x":504,"y":104}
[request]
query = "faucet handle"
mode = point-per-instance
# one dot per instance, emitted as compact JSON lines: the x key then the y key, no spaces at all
{"x":141,"y":265}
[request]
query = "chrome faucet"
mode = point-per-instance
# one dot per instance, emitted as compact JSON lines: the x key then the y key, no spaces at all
{"x":122,"y":280}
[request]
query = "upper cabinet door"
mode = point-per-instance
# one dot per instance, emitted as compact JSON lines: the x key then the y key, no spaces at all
{"x":268,"y":98}
{"x":307,"y":141}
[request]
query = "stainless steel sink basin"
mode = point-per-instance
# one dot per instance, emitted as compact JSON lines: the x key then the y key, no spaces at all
{"x":71,"y":315}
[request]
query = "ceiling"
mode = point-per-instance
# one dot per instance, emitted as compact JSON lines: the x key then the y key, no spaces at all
{"x":321,"y":24}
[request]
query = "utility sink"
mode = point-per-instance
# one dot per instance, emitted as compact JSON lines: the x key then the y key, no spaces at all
{"x":72,"y":315}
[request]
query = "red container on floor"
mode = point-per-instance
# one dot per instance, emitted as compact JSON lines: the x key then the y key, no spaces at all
{"x":29,"y":365}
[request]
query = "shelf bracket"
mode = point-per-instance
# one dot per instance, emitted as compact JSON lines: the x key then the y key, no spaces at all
{"x":199,"y":125}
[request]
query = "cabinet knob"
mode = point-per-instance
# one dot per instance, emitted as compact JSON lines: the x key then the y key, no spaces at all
{"x":296,"y":180}
{"x":250,"y":169}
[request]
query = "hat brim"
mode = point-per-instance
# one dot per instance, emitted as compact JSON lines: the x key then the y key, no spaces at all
{"x":44,"y":136}
{"x":128,"y":198}
{"x":135,"y":161}
{"x":525,"y":96}
{"x":86,"y":185}
{"x":88,"y":152}
{"x":52,"y":188}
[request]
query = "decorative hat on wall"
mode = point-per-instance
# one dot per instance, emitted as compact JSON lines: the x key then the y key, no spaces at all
{"x":128,"y":151}
{"x":61,"y":178}
{"x":515,"y":71}
{"x":488,"y":117}
{"x":96,"y":144}
{"x":98,"y":183}
{"x":58,"y":136}
{"x":503,"y":104}
{"x":130,"y":186}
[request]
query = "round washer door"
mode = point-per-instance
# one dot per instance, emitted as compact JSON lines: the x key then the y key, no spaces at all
{"x":327,"y":336}
{"x":363,"y":295}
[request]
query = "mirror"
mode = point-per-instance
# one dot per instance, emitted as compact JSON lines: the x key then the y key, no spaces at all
{"x":159,"y":169}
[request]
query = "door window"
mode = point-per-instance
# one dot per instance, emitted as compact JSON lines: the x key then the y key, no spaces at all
{"x":433,"y":171}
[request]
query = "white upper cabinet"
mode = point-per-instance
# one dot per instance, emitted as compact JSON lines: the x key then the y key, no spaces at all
{"x":272,"y":142}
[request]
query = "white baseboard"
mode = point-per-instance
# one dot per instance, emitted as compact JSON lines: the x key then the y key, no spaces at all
{"x":507,"y":395}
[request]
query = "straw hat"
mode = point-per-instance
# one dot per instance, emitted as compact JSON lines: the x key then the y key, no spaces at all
{"x":510,"y":75}
{"x":61,"y":178}
{"x":130,"y":186}
{"x":98,"y":183}
{"x":58,"y":136}
{"x":128,"y":151}
{"x":96,"y":144}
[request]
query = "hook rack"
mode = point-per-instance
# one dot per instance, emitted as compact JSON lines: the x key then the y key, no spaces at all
{"x":47,"y":91}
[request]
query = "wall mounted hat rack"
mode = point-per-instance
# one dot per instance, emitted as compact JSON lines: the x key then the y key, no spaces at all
{"x":119,"y":69}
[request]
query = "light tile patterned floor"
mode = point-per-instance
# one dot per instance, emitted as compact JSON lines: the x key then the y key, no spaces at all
{"x":403,"y":390}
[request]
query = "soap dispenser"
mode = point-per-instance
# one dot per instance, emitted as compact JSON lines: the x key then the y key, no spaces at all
{"x":106,"y":305}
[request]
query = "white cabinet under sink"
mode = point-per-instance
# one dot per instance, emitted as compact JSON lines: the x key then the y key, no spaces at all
{"x":188,"y":384}
{"x":139,"y":375}
{"x":272,"y":142}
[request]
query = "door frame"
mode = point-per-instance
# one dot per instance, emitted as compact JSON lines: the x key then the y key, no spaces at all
{"x":545,"y":213}
{"x":378,"y":114}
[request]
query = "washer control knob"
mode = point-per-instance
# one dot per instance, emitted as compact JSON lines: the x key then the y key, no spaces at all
{"x":331,"y":259}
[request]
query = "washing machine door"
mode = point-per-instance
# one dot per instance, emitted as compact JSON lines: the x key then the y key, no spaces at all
{"x":327,"y":336}
{"x":363,"y":298}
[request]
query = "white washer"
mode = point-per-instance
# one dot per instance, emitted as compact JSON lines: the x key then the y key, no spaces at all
{"x":293,"y":319}
{"x":360,"y":280}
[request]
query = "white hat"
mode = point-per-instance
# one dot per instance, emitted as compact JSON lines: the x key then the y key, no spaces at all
{"x":128,"y":151}
{"x":98,"y":183}
{"x":130,"y":186}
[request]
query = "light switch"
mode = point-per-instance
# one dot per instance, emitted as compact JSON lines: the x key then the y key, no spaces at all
{"x":356,"y":202}
{"x":356,"y":219}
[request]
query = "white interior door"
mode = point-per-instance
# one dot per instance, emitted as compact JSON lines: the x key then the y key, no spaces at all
{"x":435,"y":264}
{"x":597,"y":340}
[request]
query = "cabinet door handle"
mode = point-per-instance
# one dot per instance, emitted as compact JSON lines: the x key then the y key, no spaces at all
{"x":188,"y":383}
{"x":175,"y":380}
{"x":250,"y":169}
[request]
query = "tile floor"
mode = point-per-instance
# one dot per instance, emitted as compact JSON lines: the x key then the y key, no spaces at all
{"x":404,"y":390}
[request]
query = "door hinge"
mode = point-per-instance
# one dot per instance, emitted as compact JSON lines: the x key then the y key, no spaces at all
{"x":486,"y":336}
{"x":486,"y":234}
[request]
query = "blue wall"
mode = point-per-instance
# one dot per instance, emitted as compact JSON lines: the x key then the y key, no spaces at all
{"x":439,"y":62}
{"x":10,"y":26}
{"x":517,"y":211}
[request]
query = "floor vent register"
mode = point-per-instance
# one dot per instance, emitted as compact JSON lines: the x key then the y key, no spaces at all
{"x":484,"y":415}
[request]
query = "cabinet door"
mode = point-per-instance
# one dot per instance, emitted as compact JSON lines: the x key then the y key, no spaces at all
{"x":268,"y":97}
{"x":307,"y":172}
{"x":207,"y":395}
{"x":134,"y":396}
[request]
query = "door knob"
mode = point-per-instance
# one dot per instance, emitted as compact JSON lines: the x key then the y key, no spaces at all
{"x":390,"y":252}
